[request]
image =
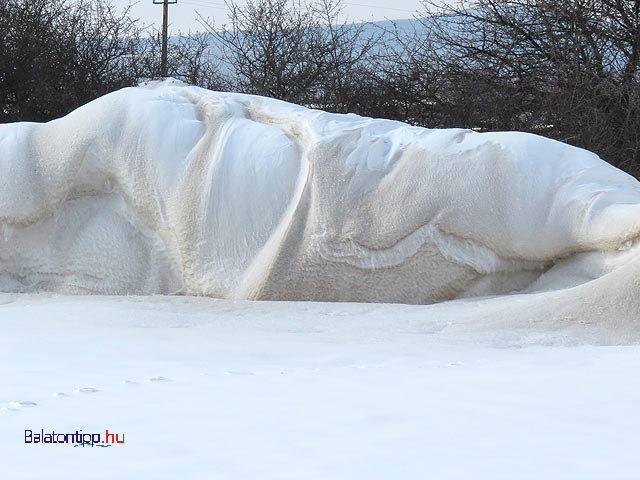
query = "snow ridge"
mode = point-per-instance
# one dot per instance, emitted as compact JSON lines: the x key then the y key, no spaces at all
{"x":167,"y":188}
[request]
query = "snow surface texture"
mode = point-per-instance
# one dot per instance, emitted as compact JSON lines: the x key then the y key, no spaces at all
{"x":213,"y":389}
{"x":175,"y":189}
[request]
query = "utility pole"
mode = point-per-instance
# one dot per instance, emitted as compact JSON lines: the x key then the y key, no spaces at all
{"x":165,"y":33}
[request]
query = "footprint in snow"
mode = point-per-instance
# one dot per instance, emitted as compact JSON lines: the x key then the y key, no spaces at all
{"x":87,"y":390}
{"x":25,"y":404}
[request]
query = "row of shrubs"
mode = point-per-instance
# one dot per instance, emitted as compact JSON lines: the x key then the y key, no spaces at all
{"x":562,"y":68}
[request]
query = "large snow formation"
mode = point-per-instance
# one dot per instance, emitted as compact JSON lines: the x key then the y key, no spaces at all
{"x":175,"y":189}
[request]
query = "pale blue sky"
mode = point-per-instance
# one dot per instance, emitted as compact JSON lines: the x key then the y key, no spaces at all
{"x":182,"y":16}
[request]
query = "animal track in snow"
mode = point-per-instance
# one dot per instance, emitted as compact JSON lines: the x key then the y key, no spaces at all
{"x":24,"y":404}
{"x":87,"y":390}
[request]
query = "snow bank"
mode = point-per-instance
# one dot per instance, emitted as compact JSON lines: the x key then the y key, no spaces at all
{"x":175,"y":189}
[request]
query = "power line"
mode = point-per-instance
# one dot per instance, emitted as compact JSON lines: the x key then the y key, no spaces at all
{"x":215,"y":6}
{"x":379,"y":7}
{"x":221,"y":6}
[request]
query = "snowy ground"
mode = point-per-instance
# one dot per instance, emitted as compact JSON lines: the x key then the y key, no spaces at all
{"x":208,"y":389}
{"x":171,"y":189}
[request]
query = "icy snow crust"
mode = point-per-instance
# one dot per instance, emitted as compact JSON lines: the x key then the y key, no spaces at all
{"x":169,"y":189}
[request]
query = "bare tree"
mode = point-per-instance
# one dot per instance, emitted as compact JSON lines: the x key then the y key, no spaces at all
{"x":406,"y":80}
{"x":32,"y":47}
{"x":294,"y":51}
{"x":106,"y":47}
{"x":56,"y":55}
{"x":190,"y":58}
{"x":564,"y":68}
{"x":345,"y":52}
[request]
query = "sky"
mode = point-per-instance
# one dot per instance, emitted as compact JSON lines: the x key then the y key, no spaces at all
{"x":183,"y":15}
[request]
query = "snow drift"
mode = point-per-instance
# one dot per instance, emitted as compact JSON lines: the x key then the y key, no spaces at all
{"x":169,"y":188}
